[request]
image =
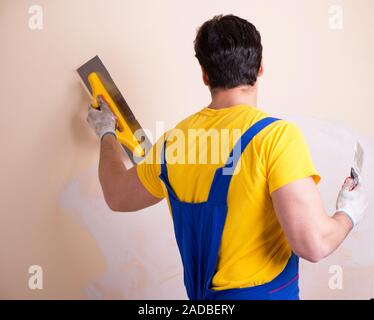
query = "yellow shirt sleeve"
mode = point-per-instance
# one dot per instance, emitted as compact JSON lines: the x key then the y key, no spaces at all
{"x":287,"y":156}
{"x":149,"y":169}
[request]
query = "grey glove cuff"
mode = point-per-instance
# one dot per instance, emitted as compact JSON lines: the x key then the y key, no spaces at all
{"x":108,"y":132}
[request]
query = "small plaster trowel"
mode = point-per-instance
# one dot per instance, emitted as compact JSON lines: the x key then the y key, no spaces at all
{"x":358,"y":161}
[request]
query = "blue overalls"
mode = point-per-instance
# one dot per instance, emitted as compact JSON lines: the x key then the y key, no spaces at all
{"x":198,"y":230}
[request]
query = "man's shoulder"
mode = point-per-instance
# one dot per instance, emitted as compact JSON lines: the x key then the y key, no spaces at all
{"x":279,"y":134}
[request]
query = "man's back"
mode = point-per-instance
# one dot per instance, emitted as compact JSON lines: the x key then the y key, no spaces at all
{"x":243,"y":235}
{"x":254,"y":249}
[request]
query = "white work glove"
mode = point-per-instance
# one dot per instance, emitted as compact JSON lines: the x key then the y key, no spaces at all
{"x":352,"y":202}
{"x":101,"y":121}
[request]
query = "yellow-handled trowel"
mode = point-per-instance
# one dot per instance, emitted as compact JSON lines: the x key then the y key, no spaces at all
{"x":99,"y":83}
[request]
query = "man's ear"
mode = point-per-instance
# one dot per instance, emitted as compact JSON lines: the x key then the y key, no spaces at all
{"x":205,"y":77}
{"x":261,"y":69}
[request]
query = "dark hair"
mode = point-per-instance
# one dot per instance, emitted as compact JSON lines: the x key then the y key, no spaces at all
{"x":229,"y":50}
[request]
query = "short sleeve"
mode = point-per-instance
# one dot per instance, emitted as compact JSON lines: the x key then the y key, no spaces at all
{"x":287,"y":156}
{"x":149,"y":169}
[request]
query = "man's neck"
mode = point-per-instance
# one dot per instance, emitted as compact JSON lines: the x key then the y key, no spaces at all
{"x":242,"y":95}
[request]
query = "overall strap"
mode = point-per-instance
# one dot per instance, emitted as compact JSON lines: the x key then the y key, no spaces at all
{"x":164,"y":172}
{"x":222,"y":177}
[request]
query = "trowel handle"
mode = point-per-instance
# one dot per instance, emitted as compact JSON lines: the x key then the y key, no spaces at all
{"x":134,"y":146}
{"x":124,"y":133}
{"x":352,"y":184}
{"x":356,"y":178}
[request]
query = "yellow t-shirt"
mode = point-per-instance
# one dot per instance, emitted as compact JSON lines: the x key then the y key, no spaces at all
{"x":254,"y":249}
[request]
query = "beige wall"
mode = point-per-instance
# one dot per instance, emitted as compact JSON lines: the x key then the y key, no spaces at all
{"x":52,"y":212}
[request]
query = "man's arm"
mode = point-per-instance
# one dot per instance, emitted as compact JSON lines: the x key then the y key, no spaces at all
{"x":123,"y":191}
{"x":122,"y":188}
{"x":311,"y":233}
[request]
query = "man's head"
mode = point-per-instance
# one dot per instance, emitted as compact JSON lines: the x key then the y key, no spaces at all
{"x":229,"y":51}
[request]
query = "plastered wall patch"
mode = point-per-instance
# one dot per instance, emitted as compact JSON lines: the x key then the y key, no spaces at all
{"x":139,"y":247}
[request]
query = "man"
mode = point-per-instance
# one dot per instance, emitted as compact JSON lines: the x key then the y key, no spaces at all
{"x":239,"y":234}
